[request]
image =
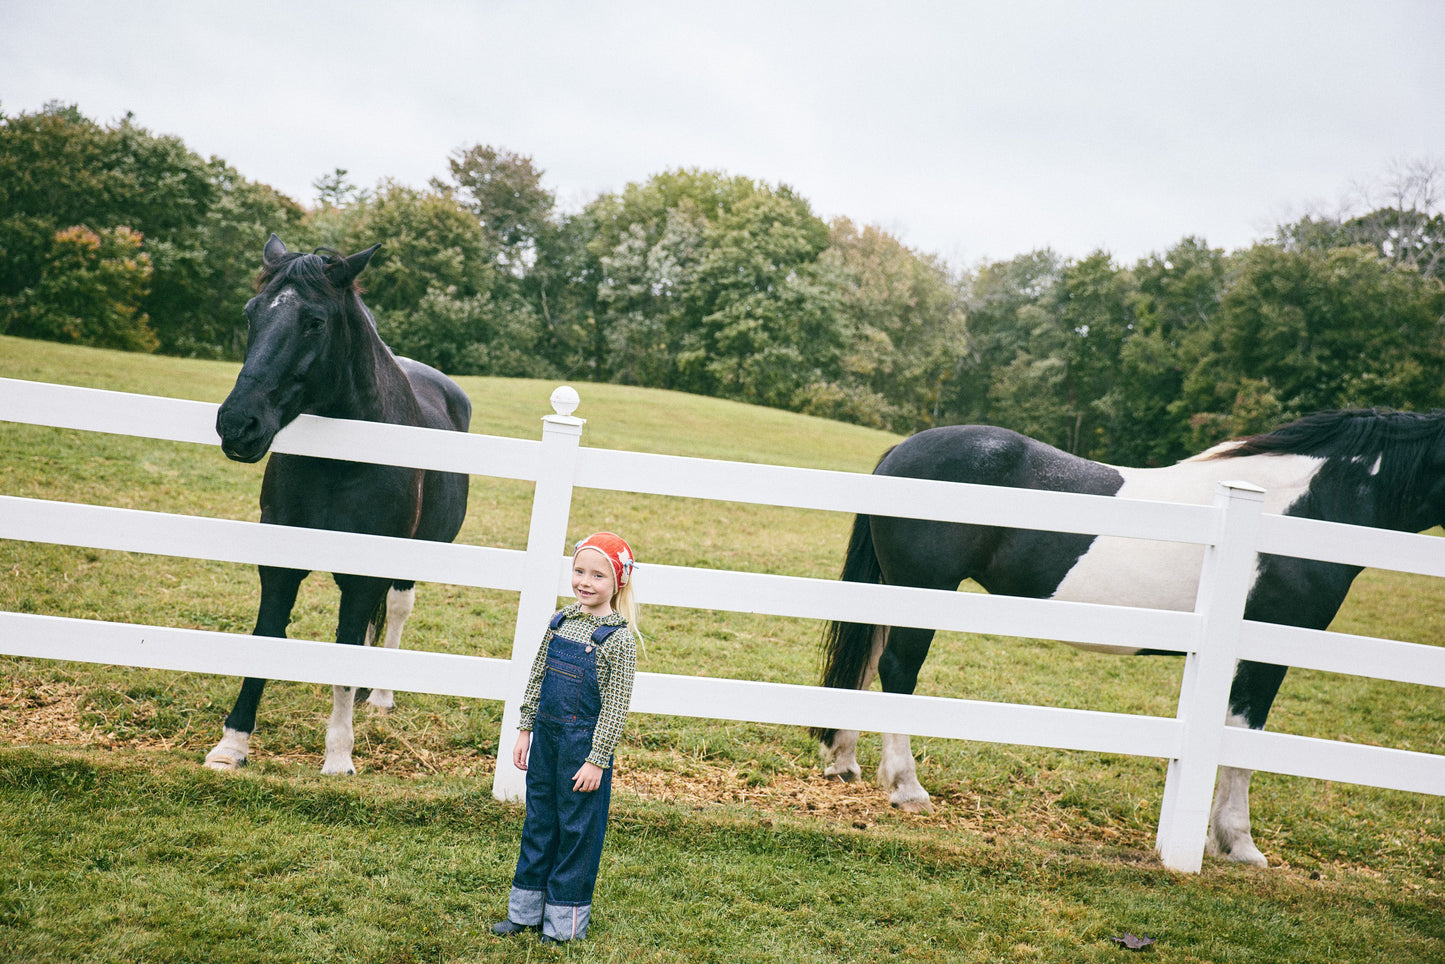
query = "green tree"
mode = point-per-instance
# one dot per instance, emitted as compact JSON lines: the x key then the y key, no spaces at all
{"x":647,"y":321}
{"x":1403,"y":223}
{"x":336,"y":190}
{"x":59,"y":170}
{"x":546,"y":276}
{"x":433,"y":285}
{"x":561,"y":288}
{"x":90,"y":292}
{"x":768,"y":325}
{"x":206,"y":320}
{"x":505,"y":193}
{"x":714,"y":285}
{"x":1093,"y":301}
{"x":1175,"y":304}
{"x":1010,"y":327}
{"x":428,"y":240}
{"x":1303,"y":331}
{"x":903,"y":330}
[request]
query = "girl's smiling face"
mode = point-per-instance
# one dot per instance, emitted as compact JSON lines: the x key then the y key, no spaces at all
{"x":592,"y":581}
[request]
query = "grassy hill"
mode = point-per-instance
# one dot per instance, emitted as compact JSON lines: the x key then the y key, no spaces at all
{"x":115,"y":845}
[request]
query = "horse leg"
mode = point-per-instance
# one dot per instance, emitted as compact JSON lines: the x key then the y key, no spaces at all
{"x":399,"y":603}
{"x":898,"y":669}
{"x":1229,"y":834}
{"x":278,"y":597}
{"x":1250,"y":697}
{"x":841,"y":753}
{"x":359,"y":598}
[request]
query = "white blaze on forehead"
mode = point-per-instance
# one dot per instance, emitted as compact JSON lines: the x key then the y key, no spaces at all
{"x":284,"y":296}
{"x":1165,"y":575}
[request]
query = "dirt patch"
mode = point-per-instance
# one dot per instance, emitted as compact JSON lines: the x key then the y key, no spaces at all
{"x":706,"y":785}
{"x":37,"y":712}
{"x":863,"y":804}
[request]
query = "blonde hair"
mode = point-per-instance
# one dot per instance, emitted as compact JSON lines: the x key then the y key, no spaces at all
{"x":624,"y":601}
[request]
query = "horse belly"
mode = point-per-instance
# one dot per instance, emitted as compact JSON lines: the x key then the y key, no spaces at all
{"x":1135,"y":572}
{"x":1165,"y":575}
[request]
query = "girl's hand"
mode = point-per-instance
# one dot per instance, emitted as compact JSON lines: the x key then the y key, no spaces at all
{"x":520,"y":751}
{"x":587,"y":779}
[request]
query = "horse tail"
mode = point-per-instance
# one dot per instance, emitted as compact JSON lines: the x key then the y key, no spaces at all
{"x":848,"y":647}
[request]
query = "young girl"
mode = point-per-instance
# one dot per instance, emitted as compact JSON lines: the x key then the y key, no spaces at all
{"x":572,"y":715}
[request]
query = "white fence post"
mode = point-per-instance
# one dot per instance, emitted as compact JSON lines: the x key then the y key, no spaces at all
{"x":546,"y":540}
{"x":1224,"y":583}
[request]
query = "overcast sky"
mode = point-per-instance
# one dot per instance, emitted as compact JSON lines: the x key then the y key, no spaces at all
{"x":969,"y":130}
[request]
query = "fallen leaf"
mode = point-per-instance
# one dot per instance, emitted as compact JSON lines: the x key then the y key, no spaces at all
{"x":1133,"y":943}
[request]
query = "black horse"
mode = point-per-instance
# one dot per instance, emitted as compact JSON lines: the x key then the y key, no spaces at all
{"x":313,"y":348}
{"x":1370,"y":468}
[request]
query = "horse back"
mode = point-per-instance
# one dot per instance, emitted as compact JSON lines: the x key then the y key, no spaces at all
{"x":442,"y":402}
{"x":1014,"y":562}
{"x":988,"y":455}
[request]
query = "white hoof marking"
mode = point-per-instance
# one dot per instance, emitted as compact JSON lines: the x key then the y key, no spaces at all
{"x":230,"y":754}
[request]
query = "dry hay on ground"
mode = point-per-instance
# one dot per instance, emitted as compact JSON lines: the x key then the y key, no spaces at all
{"x":37,"y":712}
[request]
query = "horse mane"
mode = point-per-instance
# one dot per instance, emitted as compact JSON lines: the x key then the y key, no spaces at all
{"x":1396,"y":444}
{"x":307,"y":270}
{"x":1346,"y":433}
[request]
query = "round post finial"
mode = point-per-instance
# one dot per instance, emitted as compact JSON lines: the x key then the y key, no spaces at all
{"x":565,"y":400}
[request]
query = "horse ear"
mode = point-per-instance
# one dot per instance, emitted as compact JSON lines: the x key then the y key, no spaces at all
{"x":273,"y":251}
{"x":342,"y":273}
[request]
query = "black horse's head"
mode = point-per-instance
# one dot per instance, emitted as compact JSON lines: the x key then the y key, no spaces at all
{"x":302,"y":328}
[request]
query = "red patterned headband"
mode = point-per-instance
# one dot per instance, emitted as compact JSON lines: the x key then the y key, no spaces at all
{"x":617,"y":551}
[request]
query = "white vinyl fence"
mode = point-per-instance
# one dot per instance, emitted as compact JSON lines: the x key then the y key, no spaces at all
{"x":1195,"y":742}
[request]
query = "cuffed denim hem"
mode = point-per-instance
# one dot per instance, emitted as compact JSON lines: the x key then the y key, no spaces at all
{"x":564,"y":922}
{"x":525,"y":906}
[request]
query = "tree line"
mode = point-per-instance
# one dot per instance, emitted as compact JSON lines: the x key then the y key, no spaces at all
{"x":721,"y":285}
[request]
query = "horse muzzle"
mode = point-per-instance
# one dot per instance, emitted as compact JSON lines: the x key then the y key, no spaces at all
{"x":244,"y":437}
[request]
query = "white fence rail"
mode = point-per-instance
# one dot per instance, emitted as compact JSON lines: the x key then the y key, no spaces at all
{"x":1212,"y":636}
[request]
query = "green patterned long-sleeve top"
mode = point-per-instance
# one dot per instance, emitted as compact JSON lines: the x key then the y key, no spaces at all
{"x":616,"y":666}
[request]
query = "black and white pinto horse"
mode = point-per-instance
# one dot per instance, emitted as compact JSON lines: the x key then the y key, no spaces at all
{"x":1370,"y":468}
{"x":313,"y":348}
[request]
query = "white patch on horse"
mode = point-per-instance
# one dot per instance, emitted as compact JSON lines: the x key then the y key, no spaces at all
{"x":1165,"y":575}
{"x":231,"y":752}
{"x":339,"y":734}
{"x":1229,"y":834}
{"x":898,"y":774}
{"x":284,"y":296}
{"x":841,"y":758}
{"x":399,"y":603}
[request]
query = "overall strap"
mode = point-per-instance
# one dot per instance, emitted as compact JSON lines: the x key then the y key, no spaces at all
{"x":599,"y":635}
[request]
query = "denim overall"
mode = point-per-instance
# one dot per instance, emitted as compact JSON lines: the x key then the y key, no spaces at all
{"x":562,"y":834}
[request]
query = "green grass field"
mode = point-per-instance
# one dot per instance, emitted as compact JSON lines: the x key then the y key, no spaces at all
{"x":726,"y":845}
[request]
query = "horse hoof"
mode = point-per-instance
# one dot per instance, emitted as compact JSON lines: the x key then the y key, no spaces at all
{"x":911,"y":800}
{"x":1241,"y":850}
{"x":847,"y":776}
{"x":914,"y":806}
{"x":341,"y":768}
{"x":224,"y":764}
{"x":1247,"y":853}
